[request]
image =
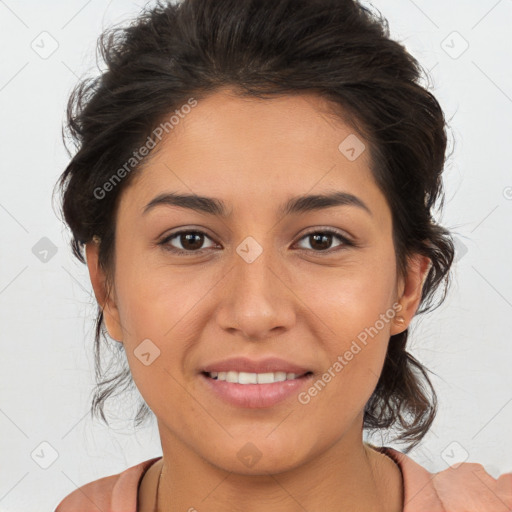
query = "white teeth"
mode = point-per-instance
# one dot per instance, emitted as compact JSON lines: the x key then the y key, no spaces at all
{"x":265,"y":378}
{"x":246,"y":378}
{"x":252,"y":378}
{"x":280,"y":376}
{"x":231,"y":377}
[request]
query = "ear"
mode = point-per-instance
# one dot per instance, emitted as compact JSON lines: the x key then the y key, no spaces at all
{"x":104,"y":298}
{"x":411,"y":286}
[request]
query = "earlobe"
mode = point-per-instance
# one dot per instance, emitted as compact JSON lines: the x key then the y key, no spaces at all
{"x":101,"y":292}
{"x":417,"y":271}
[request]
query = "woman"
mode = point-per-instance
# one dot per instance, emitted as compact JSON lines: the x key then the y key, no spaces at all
{"x":252,"y":192}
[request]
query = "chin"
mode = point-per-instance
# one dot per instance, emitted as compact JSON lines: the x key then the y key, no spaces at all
{"x":257,"y":454}
{"x":260,"y":465}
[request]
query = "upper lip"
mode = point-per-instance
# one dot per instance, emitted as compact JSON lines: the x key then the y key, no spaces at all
{"x":243,"y":364}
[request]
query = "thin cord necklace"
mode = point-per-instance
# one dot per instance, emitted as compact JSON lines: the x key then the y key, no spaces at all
{"x":158,"y":488}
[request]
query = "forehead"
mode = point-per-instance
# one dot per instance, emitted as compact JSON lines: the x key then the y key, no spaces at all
{"x":257,"y":150}
{"x":231,"y":122}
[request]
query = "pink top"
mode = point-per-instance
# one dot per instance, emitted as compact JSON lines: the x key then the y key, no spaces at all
{"x":468,"y":488}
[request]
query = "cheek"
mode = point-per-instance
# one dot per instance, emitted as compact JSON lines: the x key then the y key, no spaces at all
{"x":153,"y":299}
{"x":356,"y":306}
{"x":165,"y":305}
{"x":355,"y":349}
{"x":351,"y":298}
{"x":157,"y":307}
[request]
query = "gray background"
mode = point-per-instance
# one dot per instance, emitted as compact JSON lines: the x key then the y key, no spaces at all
{"x":46,"y":306}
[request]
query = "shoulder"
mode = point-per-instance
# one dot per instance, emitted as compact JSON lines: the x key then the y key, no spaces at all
{"x":92,"y":497}
{"x":469,"y":484}
{"x":464,"y":487}
{"x":115,"y":493}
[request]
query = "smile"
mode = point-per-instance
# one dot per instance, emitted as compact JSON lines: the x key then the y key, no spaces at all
{"x":254,"y":390}
{"x":253,"y":378}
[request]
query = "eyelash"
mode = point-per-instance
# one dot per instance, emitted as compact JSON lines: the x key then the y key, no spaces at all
{"x":182,"y":252}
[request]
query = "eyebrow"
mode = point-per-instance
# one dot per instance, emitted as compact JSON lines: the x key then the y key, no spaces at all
{"x":295,"y":205}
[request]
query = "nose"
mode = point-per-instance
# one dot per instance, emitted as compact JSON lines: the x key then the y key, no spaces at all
{"x":256,"y":299}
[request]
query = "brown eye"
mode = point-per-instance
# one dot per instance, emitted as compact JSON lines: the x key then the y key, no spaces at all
{"x":321,"y":241}
{"x":189,"y":242}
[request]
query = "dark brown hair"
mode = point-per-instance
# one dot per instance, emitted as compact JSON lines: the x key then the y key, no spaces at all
{"x":337,"y":49}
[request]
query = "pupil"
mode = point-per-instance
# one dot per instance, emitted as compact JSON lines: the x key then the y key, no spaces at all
{"x":188,"y":239}
{"x":325,"y":238}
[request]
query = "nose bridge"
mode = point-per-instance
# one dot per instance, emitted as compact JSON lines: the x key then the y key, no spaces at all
{"x":258,"y":300}
{"x":253,"y":265}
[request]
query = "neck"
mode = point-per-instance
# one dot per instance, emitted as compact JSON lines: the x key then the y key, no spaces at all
{"x":351,"y":476}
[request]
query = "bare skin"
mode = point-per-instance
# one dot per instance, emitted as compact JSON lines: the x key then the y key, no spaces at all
{"x":294,"y":301}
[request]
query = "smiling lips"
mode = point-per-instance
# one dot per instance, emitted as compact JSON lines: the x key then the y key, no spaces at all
{"x":252,"y":378}
{"x":245,"y":365}
{"x":255,"y":384}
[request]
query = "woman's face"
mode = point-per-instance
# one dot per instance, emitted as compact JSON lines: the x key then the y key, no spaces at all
{"x":258,"y":284}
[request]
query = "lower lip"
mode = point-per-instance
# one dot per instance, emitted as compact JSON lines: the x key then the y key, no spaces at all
{"x":255,"y":396}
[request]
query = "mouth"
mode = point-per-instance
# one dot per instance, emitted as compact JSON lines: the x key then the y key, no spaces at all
{"x":255,"y":383}
{"x":254,"y":390}
{"x":245,"y":378}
